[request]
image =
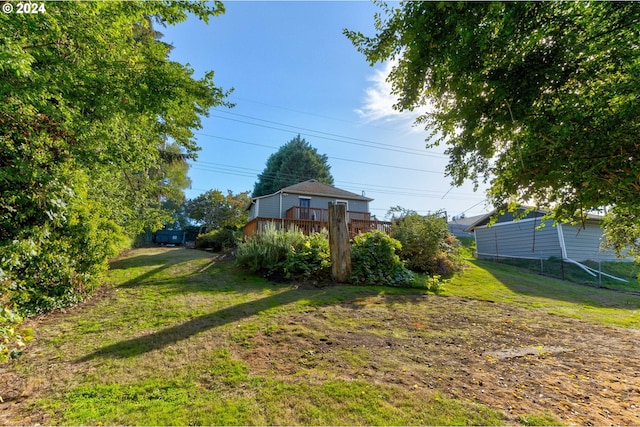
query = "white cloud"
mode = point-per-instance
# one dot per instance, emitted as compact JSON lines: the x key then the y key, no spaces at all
{"x":377,"y":104}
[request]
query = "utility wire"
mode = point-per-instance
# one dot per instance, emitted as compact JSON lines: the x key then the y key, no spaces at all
{"x":232,"y":97}
{"x":395,"y":150}
{"x":369,"y":143}
{"x":250,"y":173}
{"x":330,"y":157}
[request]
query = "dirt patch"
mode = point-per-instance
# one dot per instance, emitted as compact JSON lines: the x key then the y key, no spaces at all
{"x":518,"y":361}
{"x":513,"y":360}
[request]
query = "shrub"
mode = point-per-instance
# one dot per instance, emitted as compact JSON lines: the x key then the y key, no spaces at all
{"x":219,"y":240}
{"x":427,"y":245}
{"x":266,"y":251}
{"x":47,"y":268}
{"x":310,"y":260}
{"x":435,"y":284}
{"x":374,"y":261}
{"x":11,"y":341}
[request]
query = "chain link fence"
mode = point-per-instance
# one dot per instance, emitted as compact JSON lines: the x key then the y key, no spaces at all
{"x":622,"y":276}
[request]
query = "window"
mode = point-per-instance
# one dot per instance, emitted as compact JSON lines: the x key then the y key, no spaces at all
{"x":346,"y":207}
{"x":305,"y":204}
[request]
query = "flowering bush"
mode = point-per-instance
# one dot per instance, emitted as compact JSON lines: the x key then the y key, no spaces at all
{"x":311,"y":260}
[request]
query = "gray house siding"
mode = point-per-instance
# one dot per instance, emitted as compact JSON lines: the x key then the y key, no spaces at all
{"x":584,"y":243}
{"x":523,"y":239}
{"x":316,"y":202}
{"x":266,"y":207}
{"x":322,"y":202}
{"x":518,"y":239}
{"x":269,"y":206}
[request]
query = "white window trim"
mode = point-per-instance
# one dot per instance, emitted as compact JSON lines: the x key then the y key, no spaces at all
{"x":344,"y":202}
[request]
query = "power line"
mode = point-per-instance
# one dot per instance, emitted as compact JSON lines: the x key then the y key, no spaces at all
{"x":379,"y":189}
{"x":301,"y":112}
{"x":418,"y":151}
{"x":312,"y":114}
{"x":387,"y":166}
{"x":330,"y":157}
{"x":331,"y":136}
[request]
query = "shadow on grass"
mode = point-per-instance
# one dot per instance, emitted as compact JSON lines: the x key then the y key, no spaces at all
{"x":162,"y":259}
{"x":526,"y":283}
{"x":158,"y":340}
{"x":206,"y":278}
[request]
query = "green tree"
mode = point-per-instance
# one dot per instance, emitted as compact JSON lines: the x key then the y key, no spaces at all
{"x":294,"y":162}
{"x":538,"y":98}
{"x":213,"y":210}
{"x":89,"y":98}
{"x":427,"y":244}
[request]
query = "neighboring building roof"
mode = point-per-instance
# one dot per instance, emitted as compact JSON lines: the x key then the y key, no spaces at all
{"x":458,"y":226}
{"x":482,"y":220}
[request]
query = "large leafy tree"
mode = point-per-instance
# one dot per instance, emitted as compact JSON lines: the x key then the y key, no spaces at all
{"x":89,"y":98}
{"x":294,"y":162}
{"x":213,"y":210}
{"x":538,"y":98}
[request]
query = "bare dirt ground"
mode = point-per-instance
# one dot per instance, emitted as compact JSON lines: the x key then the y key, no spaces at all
{"x":510,"y":359}
{"x":514,"y":360}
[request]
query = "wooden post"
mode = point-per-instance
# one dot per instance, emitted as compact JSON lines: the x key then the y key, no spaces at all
{"x":339,"y":247}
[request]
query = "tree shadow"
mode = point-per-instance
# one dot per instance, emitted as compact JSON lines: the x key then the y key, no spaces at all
{"x":203,"y":279}
{"x":162,"y":261}
{"x":552,"y":288}
{"x":168,"y":336}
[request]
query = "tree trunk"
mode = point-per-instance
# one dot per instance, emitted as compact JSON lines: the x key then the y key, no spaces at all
{"x":339,"y":247}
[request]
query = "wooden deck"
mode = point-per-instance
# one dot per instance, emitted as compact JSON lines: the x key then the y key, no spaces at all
{"x":310,"y":220}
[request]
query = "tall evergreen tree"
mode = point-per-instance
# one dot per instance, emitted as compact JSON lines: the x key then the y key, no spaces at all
{"x":294,"y":162}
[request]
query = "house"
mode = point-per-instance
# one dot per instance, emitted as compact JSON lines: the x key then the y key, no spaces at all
{"x":305,"y":206}
{"x":458,"y":225}
{"x":514,"y":237}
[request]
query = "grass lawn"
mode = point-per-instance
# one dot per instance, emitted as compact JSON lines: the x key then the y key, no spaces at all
{"x":490,"y":281}
{"x":627,"y":271}
{"x":177,"y":338}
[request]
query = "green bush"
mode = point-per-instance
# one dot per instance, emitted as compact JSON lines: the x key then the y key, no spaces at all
{"x":11,"y":340}
{"x":374,"y":261}
{"x":266,"y":251}
{"x":427,"y":245}
{"x":47,"y":268}
{"x":288,"y":254}
{"x":310,"y":260}
{"x":219,"y":240}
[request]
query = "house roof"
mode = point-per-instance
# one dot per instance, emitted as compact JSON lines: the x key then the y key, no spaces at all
{"x":313,"y":187}
{"x":467,"y":221}
{"x":482,"y":220}
{"x":458,"y":226}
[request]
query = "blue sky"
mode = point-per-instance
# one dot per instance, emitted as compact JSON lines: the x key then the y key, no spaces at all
{"x":294,"y":72}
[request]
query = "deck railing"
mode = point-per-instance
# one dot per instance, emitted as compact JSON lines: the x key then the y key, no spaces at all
{"x":319,"y":214}
{"x":307,"y":226}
